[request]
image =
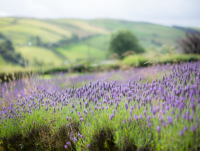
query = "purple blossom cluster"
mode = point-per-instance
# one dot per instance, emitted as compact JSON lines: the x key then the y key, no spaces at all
{"x":170,"y":100}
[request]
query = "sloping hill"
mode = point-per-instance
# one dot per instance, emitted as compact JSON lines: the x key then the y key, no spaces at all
{"x":62,"y":40}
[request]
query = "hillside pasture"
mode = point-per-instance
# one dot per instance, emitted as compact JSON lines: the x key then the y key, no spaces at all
{"x":81,"y":51}
{"x":38,"y":54}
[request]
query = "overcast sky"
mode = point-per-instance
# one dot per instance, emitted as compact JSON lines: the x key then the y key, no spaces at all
{"x":166,"y":12}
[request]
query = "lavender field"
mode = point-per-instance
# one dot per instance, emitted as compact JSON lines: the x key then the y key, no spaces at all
{"x":140,"y":109}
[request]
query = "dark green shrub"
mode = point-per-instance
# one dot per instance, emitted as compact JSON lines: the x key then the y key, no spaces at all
{"x":191,"y":44}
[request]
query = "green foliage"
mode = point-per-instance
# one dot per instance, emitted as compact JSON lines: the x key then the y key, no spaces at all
{"x":147,"y":59}
{"x":8,"y":53}
{"x":124,"y":41}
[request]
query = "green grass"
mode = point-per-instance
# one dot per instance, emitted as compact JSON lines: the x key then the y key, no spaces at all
{"x":100,"y":42}
{"x":84,"y":25}
{"x":22,"y":30}
{"x":6,"y":21}
{"x":9,"y":68}
{"x":28,"y":32}
{"x":6,"y":67}
{"x":81,"y":52}
{"x":156,"y":58}
{"x":2,"y":61}
{"x":144,"y":31}
{"x":52,"y":30}
{"x":40,"y":54}
{"x":45,"y":26}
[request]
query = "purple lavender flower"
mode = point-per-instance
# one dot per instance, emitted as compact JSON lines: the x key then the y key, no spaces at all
{"x":192,"y":128}
{"x":149,"y":125}
{"x":169,"y":120}
{"x":148,"y":118}
{"x":111,"y":116}
{"x":164,"y":124}
{"x":79,"y":135}
{"x":88,"y":145}
{"x":68,"y":143}
{"x":184,"y":116}
{"x":186,"y":128}
{"x":75,"y":140}
{"x":177,"y":117}
{"x":126,"y":106}
{"x":124,"y":121}
{"x":172,"y":112}
{"x":193,"y":106}
{"x":65,"y":146}
{"x":160,"y":118}
{"x":191,"y":118}
{"x":158,"y":128}
{"x":181,"y":133}
{"x":136,"y":117}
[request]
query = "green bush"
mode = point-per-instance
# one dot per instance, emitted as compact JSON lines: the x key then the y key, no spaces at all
{"x":144,"y":60}
{"x":124,"y":41}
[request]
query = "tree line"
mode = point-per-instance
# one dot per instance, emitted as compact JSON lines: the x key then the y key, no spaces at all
{"x":8,"y":53}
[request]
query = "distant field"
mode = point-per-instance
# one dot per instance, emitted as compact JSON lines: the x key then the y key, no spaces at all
{"x":146,"y":32}
{"x":23,"y":31}
{"x":100,"y":42}
{"x":33,"y":54}
{"x":81,"y":51}
{"x":20,"y":30}
{"x":84,"y":25}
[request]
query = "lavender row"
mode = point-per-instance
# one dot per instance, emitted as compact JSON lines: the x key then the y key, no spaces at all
{"x":162,"y":114}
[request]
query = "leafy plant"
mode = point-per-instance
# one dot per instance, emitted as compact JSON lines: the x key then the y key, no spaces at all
{"x":124,"y":41}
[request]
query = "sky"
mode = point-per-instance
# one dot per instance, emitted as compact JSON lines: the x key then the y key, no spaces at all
{"x":165,"y":12}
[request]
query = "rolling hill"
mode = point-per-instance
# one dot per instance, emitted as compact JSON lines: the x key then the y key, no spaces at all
{"x":54,"y":42}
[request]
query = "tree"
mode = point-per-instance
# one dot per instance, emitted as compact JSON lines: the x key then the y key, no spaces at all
{"x":191,"y":44}
{"x":124,"y":41}
{"x":8,"y":53}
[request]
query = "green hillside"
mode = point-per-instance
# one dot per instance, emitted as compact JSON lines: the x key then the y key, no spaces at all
{"x":57,"y":41}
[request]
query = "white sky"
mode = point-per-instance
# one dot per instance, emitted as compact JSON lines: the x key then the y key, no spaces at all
{"x":166,"y":12}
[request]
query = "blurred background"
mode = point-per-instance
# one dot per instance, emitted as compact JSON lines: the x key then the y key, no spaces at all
{"x":81,"y":35}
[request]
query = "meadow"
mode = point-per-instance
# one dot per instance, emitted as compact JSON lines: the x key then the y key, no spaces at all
{"x":151,"y":108}
{"x":30,"y":35}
